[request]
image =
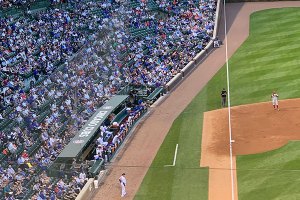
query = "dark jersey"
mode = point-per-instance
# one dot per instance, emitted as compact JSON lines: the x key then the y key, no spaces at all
{"x":223,"y":93}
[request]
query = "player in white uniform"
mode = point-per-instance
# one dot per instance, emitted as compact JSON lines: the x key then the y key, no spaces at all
{"x":122,"y":181}
{"x":274,"y":97}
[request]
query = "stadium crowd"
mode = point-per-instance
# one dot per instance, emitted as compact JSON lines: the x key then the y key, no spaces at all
{"x":5,"y":4}
{"x":59,"y":65}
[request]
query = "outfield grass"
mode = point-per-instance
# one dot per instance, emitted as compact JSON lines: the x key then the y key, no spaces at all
{"x":268,"y":60}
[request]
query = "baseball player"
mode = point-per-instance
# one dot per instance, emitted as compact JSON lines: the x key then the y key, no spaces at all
{"x":122,"y":181}
{"x":223,"y":97}
{"x":274,"y":97}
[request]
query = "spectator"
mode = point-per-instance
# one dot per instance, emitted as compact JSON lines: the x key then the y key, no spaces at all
{"x":38,"y":96}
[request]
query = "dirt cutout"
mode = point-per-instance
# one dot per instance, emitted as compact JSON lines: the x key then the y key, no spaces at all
{"x":256,"y":128}
{"x":136,"y":158}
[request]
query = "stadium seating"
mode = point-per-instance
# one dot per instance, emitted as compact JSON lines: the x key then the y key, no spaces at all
{"x":51,"y":88}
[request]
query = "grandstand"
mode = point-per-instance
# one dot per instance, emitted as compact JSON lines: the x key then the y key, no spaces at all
{"x":62,"y":62}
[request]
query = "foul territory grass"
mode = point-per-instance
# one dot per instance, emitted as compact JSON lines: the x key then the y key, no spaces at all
{"x":268,"y":60}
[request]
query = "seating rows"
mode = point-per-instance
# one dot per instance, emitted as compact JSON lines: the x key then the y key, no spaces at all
{"x":42,"y":112}
{"x":78,"y":57}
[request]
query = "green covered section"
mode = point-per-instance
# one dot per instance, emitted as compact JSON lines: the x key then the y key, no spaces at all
{"x":268,"y":60}
{"x":90,"y":129}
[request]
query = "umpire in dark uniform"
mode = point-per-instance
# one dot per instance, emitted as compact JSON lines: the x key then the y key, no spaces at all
{"x":223,"y":97}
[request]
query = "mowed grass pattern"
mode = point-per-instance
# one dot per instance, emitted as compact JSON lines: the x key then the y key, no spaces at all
{"x":270,"y":175}
{"x":268,"y":60}
{"x":274,"y":65}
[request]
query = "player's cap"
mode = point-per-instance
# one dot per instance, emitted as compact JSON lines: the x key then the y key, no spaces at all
{"x":123,"y":174}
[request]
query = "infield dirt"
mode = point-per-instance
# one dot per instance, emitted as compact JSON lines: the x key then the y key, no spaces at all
{"x":255,"y":128}
{"x":146,"y":142}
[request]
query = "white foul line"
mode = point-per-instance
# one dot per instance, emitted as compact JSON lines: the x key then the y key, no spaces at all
{"x":229,"y":105}
{"x":175,"y":156}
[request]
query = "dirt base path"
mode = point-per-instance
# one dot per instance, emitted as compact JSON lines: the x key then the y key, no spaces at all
{"x":146,"y":142}
{"x":256,"y":128}
{"x":215,"y":155}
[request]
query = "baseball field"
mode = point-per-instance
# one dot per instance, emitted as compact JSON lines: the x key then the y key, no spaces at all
{"x":181,"y":152}
{"x":268,"y":60}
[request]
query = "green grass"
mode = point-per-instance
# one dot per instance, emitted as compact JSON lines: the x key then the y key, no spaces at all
{"x":268,"y":60}
{"x":186,"y":180}
{"x":270,"y":175}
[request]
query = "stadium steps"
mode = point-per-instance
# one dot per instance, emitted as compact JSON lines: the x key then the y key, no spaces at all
{"x":152,"y":5}
{"x":2,"y":157}
{"x":34,"y":147}
{"x":5,"y":123}
{"x":7,"y":111}
{"x":63,"y":128}
{"x":45,"y":106}
{"x":43,"y":116}
{"x":30,"y":192}
{"x":134,"y":4}
{"x":97,"y":11}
